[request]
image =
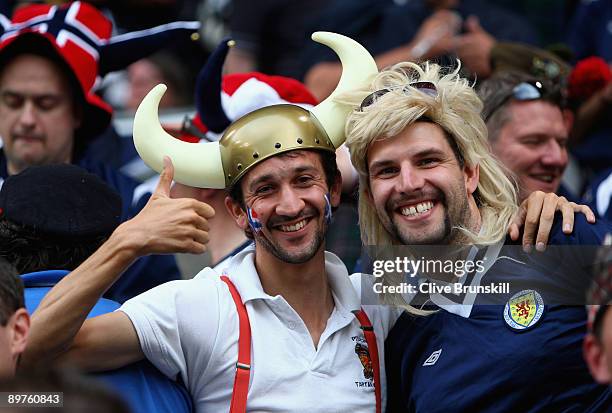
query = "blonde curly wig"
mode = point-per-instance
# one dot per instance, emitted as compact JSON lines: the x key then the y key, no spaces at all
{"x":457,"y":109}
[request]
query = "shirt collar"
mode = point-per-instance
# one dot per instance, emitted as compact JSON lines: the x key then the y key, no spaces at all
{"x":241,"y":270}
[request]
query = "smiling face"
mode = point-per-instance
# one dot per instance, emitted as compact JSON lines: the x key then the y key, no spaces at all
{"x":285,"y":197}
{"x":420,"y":191}
{"x":37,"y":118}
{"x":533,"y":145}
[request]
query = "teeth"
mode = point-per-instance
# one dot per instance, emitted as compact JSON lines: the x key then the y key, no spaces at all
{"x":545,"y":178}
{"x":418,"y":209}
{"x":294,"y":227}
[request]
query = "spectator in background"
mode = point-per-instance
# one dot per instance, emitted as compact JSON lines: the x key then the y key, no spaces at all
{"x":14,"y":319}
{"x":161,"y":67}
{"x":415,"y":30}
{"x":528,"y":131}
{"x":49,"y":112}
{"x":53,"y":218}
{"x":597,"y":346}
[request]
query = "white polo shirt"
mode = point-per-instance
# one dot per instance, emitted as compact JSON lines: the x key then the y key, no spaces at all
{"x":189,"y":328}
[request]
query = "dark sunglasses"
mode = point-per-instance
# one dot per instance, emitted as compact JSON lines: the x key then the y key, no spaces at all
{"x":526,"y":91}
{"x":424,"y":87}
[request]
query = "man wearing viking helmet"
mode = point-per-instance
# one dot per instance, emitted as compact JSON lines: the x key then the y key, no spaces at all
{"x":220,"y":100}
{"x":281,"y":323}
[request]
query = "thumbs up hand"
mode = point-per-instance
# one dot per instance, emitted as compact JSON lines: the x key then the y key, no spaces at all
{"x":474,"y":48}
{"x":167,"y":225}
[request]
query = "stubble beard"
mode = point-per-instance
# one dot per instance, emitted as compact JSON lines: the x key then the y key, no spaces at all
{"x":294,"y":258}
{"x":446,"y":233}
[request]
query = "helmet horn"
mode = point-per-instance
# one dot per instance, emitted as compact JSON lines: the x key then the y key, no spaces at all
{"x":195,"y":164}
{"x":358,"y":66}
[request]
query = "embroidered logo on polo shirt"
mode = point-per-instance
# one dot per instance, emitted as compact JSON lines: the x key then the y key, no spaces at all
{"x":363,"y":353}
{"x":433,"y":358}
{"x":523,"y":310}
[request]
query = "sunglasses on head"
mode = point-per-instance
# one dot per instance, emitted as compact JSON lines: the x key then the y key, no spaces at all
{"x":424,"y":87}
{"x":526,"y":91}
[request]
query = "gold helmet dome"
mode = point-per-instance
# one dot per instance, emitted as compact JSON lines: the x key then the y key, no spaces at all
{"x":258,"y":135}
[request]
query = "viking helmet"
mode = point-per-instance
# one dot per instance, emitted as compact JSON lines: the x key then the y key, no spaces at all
{"x":258,"y":135}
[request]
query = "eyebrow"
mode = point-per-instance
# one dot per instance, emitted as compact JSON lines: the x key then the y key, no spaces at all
{"x":419,"y":154}
{"x":30,"y":96}
{"x":268,"y":177}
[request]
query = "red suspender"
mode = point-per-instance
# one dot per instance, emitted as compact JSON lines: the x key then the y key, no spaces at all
{"x":243,"y":366}
{"x":368,"y":332}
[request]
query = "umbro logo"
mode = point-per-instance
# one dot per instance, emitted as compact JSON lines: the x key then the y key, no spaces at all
{"x":433,"y":358}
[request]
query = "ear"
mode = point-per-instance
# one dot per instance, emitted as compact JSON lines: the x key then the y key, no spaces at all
{"x":20,"y":327}
{"x":236,"y":211}
{"x":596,"y":359}
{"x":472,"y":175}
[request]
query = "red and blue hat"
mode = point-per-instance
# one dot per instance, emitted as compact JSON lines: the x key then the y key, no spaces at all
{"x":78,"y":36}
{"x":220,"y":100}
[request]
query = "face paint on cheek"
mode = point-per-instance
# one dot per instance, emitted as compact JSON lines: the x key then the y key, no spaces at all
{"x":254,"y":221}
{"x":328,"y":209}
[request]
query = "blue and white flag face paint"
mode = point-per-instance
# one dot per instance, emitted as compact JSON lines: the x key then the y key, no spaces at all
{"x":328,"y":210}
{"x":254,"y":221}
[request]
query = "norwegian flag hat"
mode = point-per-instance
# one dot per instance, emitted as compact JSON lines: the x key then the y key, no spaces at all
{"x":78,"y":37}
{"x":220,"y":100}
{"x":69,"y":35}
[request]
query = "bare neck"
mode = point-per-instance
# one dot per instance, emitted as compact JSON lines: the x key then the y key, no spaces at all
{"x":304,"y":286}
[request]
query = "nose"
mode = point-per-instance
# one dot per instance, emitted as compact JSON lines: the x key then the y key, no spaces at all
{"x":27,"y":117}
{"x":290,"y":203}
{"x":409,"y":179}
{"x":554,"y":155}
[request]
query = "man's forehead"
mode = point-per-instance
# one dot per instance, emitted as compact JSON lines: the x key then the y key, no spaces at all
{"x":535,"y":116}
{"x":526,"y":108}
{"x":414,"y":139}
{"x":33,"y":68}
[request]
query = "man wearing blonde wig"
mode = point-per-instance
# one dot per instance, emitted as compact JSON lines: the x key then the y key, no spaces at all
{"x":426,"y":177}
